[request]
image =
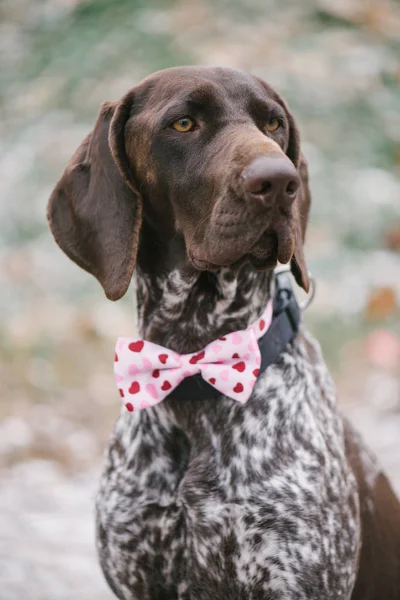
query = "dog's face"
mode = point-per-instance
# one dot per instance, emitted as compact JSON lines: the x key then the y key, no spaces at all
{"x":209,"y":154}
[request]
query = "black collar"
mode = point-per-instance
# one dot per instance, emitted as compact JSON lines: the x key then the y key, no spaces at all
{"x":283,"y":329}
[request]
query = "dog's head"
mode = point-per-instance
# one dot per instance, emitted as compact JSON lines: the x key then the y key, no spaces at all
{"x":208,"y":154}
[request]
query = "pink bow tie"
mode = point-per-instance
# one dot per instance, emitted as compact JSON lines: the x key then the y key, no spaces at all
{"x":146,"y":373}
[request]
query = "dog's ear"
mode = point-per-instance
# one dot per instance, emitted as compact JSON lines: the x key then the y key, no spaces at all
{"x":302,"y":208}
{"x":95,"y":210}
{"x":305,"y":196}
{"x":302,"y":205}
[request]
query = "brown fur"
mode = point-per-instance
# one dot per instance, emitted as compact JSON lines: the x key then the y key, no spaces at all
{"x":116,"y":166}
{"x":127,"y":171}
{"x":379,"y":561}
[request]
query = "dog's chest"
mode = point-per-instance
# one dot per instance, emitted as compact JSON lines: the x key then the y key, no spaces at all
{"x":249,"y":502}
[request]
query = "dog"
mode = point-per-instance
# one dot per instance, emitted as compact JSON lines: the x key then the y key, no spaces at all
{"x":195,"y":179}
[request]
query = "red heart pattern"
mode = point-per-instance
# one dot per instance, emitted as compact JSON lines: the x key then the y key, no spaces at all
{"x":134,"y":388}
{"x":136,"y":346}
{"x":195,"y":359}
{"x":240,"y":366}
{"x":232,"y":366}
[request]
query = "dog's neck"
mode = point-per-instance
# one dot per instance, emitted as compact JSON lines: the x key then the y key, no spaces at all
{"x":184,"y":309}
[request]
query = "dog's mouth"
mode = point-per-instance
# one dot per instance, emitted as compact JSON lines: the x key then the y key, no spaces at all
{"x":265,"y":253}
{"x":203,"y":265}
{"x":269,"y":249}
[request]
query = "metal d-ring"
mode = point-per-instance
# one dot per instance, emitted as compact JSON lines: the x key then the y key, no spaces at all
{"x":311,"y":293}
{"x":310,"y":296}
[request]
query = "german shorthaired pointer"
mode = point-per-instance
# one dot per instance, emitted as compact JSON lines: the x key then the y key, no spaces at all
{"x":196,"y":178}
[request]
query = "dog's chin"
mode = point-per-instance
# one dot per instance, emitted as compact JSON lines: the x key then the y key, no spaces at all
{"x":263,"y":255}
{"x":270,"y":249}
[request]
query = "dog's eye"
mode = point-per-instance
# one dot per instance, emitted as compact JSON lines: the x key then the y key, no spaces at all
{"x":272,"y":125}
{"x":184,"y":124}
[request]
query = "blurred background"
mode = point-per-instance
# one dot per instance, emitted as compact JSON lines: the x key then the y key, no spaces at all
{"x":337,"y":63}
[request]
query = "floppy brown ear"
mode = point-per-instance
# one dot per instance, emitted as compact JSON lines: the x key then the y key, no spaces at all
{"x":95,"y":211}
{"x":302,"y":205}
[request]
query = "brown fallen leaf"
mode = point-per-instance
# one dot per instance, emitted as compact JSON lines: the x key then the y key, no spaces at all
{"x":382,"y":303}
{"x":392,"y":238}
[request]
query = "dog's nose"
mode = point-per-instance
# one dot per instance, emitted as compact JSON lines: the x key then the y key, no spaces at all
{"x":269,"y":179}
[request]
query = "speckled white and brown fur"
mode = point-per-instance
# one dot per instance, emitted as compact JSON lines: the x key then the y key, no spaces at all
{"x":209,"y":500}
{"x":213,"y":500}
